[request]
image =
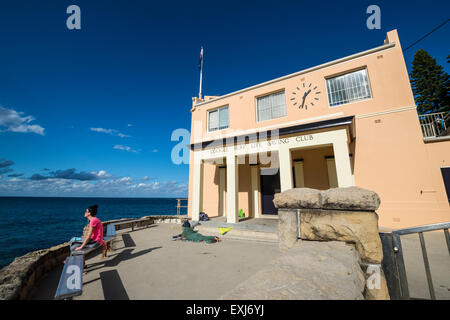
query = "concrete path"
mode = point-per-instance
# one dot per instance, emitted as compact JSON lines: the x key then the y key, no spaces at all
{"x":147,"y":264}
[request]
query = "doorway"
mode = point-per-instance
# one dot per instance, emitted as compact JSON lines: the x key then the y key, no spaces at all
{"x":270,"y":184}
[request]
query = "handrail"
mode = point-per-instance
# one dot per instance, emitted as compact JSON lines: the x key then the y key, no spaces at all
{"x":429,"y":227}
{"x":434,"y":124}
{"x":179,"y":206}
{"x":398,"y":249}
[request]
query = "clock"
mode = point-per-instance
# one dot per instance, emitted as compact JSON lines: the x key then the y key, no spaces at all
{"x":306,"y":94}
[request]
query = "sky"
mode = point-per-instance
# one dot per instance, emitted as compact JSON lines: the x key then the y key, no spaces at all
{"x":90,"y":112}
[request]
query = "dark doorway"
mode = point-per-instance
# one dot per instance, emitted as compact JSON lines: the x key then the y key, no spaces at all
{"x":446,"y":177}
{"x":270,"y":184}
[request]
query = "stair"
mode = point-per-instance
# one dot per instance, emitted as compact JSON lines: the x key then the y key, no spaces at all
{"x":239,"y":231}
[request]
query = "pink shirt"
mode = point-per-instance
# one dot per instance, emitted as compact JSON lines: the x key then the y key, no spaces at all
{"x":97,"y":232}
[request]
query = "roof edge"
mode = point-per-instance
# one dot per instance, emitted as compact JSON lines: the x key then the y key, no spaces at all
{"x":321,"y":66}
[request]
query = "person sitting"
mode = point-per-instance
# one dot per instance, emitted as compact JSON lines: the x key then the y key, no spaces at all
{"x":94,"y":236}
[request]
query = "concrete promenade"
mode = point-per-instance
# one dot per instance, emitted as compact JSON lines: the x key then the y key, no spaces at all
{"x":147,"y":264}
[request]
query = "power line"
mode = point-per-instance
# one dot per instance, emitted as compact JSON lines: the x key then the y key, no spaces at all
{"x":439,"y":26}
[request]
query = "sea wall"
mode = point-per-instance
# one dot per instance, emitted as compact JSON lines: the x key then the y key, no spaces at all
{"x":19,"y":277}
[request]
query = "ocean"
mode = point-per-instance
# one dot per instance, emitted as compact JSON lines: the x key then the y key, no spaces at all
{"x":32,"y":223}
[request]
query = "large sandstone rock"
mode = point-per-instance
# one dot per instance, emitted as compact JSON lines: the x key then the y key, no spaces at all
{"x":309,"y":271}
{"x":349,"y":199}
{"x":298,"y":198}
{"x":356,"y":227}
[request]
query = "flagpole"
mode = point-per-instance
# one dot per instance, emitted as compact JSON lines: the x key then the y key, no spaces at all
{"x":201,"y":73}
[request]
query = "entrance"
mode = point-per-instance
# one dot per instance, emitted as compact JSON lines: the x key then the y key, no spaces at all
{"x":270,"y":184}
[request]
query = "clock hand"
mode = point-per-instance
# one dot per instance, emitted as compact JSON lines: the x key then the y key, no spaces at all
{"x":304,"y":97}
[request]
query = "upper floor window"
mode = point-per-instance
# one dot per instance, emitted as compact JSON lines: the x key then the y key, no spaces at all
{"x":349,"y":87}
{"x":271,"y":106}
{"x":218,"y":119}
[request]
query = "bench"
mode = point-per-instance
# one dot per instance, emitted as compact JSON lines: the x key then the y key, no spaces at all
{"x":134,"y":222}
{"x":110,"y":235}
{"x":71,"y":280}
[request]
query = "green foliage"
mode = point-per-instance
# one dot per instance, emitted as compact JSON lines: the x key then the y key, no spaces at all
{"x":430,"y":84}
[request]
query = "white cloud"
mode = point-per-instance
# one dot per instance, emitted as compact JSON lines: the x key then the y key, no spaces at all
{"x":13,"y":121}
{"x":112,"y":187}
{"x":124,"y":148}
{"x":112,"y":132}
{"x":155,"y":150}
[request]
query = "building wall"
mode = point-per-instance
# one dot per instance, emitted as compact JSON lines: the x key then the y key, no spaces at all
{"x":389,"y":154}
{"x":314,"y":166}
{"x":388,"y":80}
{"x":396,"y":164}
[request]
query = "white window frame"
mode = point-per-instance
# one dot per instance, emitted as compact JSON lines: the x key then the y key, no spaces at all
{"x":213,"y":110}
{"x":268,"y":94}
{"x":352,"y":101}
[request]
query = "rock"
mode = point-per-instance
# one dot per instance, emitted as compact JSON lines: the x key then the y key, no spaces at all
{"x":350,"y":199}
{"x":309,"y":271}
{"x":287,"y":228}
{"x":298,"y":198}
{"x":356,"y":227}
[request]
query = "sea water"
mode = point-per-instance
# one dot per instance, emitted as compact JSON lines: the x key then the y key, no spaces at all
{"x":34,"y":223}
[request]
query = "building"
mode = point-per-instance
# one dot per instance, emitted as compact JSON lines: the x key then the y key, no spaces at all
{"x":348,"y":122}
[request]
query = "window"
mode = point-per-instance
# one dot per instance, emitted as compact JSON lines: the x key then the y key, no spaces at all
{"x":218,"y":119}
{"x":271,"y":106}
{"x":349,"y":87}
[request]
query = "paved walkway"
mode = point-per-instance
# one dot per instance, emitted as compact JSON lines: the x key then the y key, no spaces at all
{"x":147,"y":264}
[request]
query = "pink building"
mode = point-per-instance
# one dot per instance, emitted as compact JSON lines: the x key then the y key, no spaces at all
{"x":348,"y":122}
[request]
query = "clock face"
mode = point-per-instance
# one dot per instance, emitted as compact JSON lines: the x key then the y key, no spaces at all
{"x":306,"y":94}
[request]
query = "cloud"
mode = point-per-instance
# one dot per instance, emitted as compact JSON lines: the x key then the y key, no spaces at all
{"x":38,"y":176}
{"x":71,"y":174}
{"x":13,"y":121}
{"x":110,"y":187}
{"x":130,"y":125}
{"x":155,"y":150}
{"x":5,"y":163}
{"x":5,"y":170}
{"x":124,"y":148}
{"x":112,"y":132}
{"x":15,"y":175}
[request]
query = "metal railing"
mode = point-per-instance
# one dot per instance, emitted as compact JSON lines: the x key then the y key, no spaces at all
{"x":435,"y":124}
{"x":179,"y":206}
{"x":394,"y":264}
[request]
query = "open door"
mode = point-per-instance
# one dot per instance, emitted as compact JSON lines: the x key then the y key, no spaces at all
{"x":270,"y":184}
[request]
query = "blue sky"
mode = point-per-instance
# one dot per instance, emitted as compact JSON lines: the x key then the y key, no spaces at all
{"x":90,"y":112}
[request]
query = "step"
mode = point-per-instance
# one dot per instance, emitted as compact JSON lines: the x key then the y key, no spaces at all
{"x":239,"y":233}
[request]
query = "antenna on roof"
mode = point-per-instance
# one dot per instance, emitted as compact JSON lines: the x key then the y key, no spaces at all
{"x":200,"y":65}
